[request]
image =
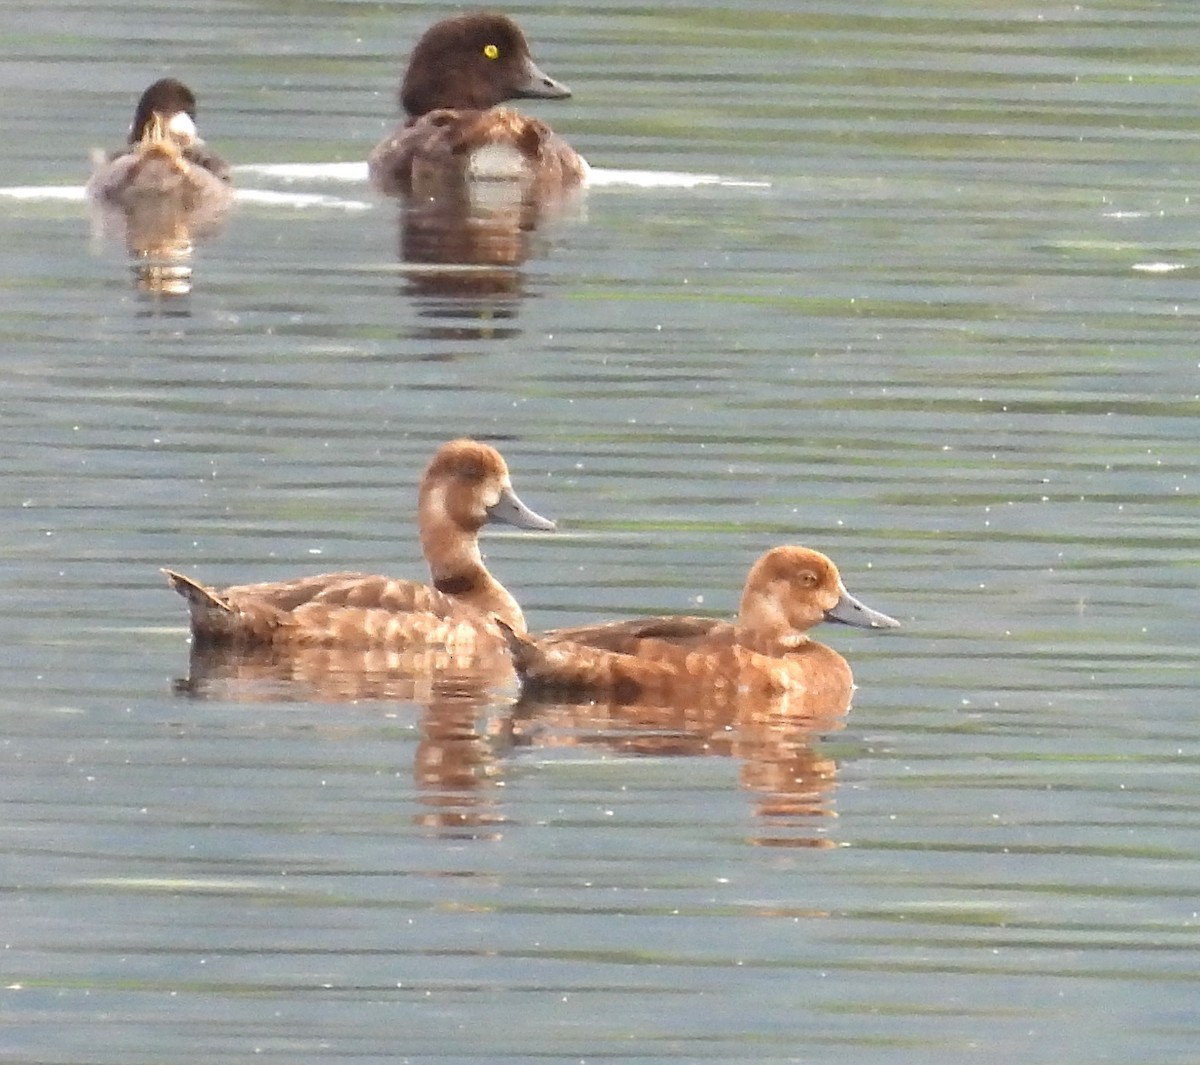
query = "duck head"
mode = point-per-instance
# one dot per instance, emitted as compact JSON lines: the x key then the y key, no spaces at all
{"x":791,"y":589}
{"x":473,"y":62}
{"x":467,"y":486}
{"x":166,"y":109}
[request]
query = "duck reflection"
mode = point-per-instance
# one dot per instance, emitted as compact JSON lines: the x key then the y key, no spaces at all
{"x":758,"y":690}
{"x":457,"y":767}
{"x":340,"y":675}
{"x":790,"y":781}
{"x":463,"y":252}
{"x":457,"y":771}
{"x":465,"y":738}
{"x":160,"y":240}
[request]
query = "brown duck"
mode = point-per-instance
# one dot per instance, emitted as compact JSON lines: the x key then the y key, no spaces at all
{"x":453,"y":133}
{"x":765,"y":653}
{"x":165,"y":163}
{"x":465,"y":487}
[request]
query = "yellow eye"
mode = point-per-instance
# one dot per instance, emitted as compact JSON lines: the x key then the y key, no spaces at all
{"x":491,"y":51}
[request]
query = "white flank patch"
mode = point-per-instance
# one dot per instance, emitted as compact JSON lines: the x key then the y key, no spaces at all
{"x":497,"y":162}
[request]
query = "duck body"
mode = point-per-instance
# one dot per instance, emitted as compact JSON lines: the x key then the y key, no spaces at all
{"x":465,"y":487}
{"x":765,"y":654}
{"x":165,"y":163}
{"x":665,"y":672}
{"x":352,"y":610}
{"x":454,"y":132}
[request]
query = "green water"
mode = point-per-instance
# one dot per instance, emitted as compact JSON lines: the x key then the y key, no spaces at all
{"x":948,"y":339}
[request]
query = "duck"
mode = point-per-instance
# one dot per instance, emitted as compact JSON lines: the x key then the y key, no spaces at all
{"x":164,"y":163}
{"x":454,"y":133}
{"x":466,"y":486}
{"x":765,"y":653}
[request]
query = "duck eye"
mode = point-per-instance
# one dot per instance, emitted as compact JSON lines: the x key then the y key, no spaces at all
{"x":491,"y":51}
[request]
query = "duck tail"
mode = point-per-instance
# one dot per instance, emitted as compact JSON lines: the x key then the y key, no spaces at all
{"x":526,"y":655}
{"x":195,"y":592}
{"x":539,"y":668}
{"x":570,"y":670}
{"x":214,"y":618}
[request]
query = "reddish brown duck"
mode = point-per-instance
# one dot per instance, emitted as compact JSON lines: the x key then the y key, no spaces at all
{"x":764,"y":654}
{"x":465,"y":487}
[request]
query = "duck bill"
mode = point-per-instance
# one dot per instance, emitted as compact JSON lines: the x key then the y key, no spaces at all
{"x":849,"y":611}
{"x":540,"y":86}
{"x":509,"y":510}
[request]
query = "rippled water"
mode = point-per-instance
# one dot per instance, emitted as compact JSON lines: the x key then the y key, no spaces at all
{"x":939,"y":323}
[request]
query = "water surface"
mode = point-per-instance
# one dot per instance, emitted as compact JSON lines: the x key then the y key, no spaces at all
{"x":939,"y":323}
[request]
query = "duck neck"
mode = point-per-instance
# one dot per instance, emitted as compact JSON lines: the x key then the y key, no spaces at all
{"x":458,"y":571}
{"x":770,"y":640}
{"x":763,"y":627}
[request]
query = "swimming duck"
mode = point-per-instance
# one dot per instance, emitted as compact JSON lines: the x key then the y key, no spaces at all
{"x":165,"y":161}
{"x":764,"y":653}
{"x":458,"y":72}
{"x":465,"y":487}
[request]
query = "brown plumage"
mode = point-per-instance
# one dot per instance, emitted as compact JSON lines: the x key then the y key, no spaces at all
{"x":165,"y":163}
{"x":453,"y":133}
{"x":764,"y":655}
{"x":466,"y":486}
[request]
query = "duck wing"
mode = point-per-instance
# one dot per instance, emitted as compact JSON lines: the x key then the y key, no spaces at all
{"x":372,"y":592}
{"x":390,"y":164}
{"x":336,"y":609}
{"x":365,"y":591}
{"x":200,"y":154}
{"x":437,"y":151}
{"x":290,"y":594}
{"x":628,"y":637}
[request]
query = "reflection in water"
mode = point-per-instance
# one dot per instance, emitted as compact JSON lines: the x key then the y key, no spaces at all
{"x":456,"y":767}
{"x":163,"y":267}
{"x":159,"y":238}
{"x":340,"y":675}
{"x":464,"y":250}
{"x":791,"y":782}
{"x":456,"y":771}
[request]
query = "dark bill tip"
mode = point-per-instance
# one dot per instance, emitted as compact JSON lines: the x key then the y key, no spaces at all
{"x":540,"y":86}
{"x":509,"y":510}
{"x":849,"y":611}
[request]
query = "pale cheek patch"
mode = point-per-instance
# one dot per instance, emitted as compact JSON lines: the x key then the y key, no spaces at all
{"x":437,"y":500}
{"x":772,"y":604}
{"x":182,"y":128}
